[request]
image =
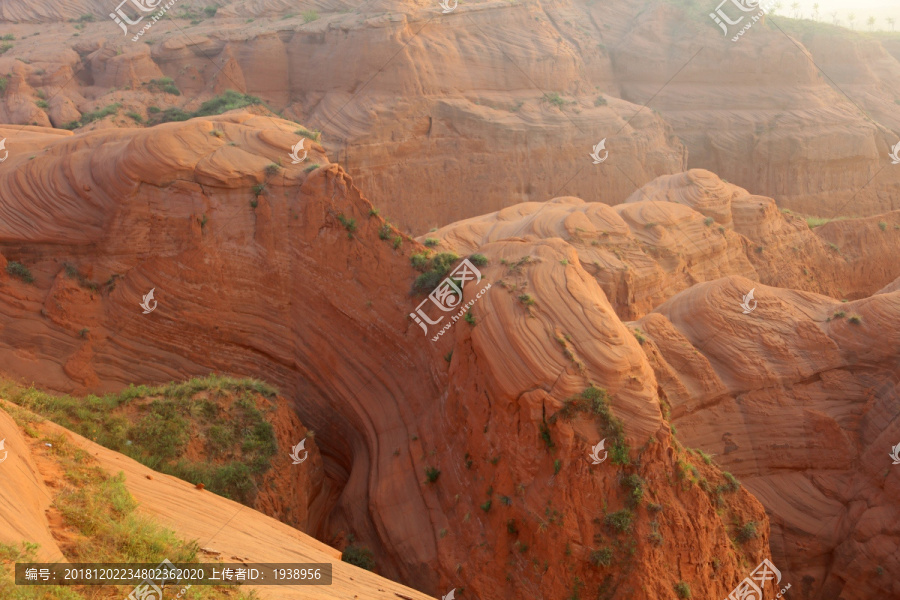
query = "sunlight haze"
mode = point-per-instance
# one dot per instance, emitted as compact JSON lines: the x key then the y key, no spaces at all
{"x":863,"y":9}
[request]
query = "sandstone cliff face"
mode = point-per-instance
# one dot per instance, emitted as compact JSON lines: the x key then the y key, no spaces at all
{"x":296,"y":286}
{"x":682,"y":229}
{"x":798,"y":399}
{"x":445,"y":117}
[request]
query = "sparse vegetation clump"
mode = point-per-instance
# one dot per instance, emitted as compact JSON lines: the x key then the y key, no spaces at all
{"x":431,"y":473}
{"x":602,"y":557}
{"x":225,"y":418}
{"x":96,"y":115}
{"x":479,"y":260}
{"x":100,"y":513}
{"x":360,"y":556}
{"x":17,"y":269}
{"x":230,"y":100}
{"x":555,"y":99}
{"x":433,"y":268}
{"x":313,"y":135}
{"x":620,"y":521}
{"x":348,"y":224}
{"x":683,"y":590}
{"x":164,"y":84}
{"x":746,"y":532}
{"x":595,"y":401}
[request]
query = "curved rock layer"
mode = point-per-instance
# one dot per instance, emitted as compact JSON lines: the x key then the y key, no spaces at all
{"x":798,"y":399}
{"x":447,"y":116}
{"x":461,"y":463}
{"x":682,"y":229}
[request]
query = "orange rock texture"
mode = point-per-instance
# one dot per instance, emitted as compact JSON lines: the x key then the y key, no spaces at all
{"x":464,"y":463}
{"x":442,"y":117}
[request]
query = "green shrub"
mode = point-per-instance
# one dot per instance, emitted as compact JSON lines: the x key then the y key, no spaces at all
{"x":272,"y":169}
{"x":557,"y":465}
{"x":164,"y":84}
{"x":555,"y":99}
{"x":432,"y":474}
{"x":855,"y":319}
{"x":309,"y":16}
{"x":479,"y":260}
{"x":5,"y":47}
{"x":639,"y":336}
{"x":432,"y":242}
{"x":210,"y":11}
{"x":229,"y":100}
{"x":313,"y":135}
{"x":595,"y":401}
{"x":620,"y":521}
{"x":152,"y":110}
{"x":385,"y":231}
{"x":708,"y":221}
{"x":602,"y":557}
{"x":600,"y":101}
{"x":349,"y":224}
{"x":746,"y":532}
{"x":258,"y":189}
{"x":635,"y":485}
{"x":135,"y":116}
{"x":683,"y":590}
{"x":19,"y":270}
{"x":434,"y":268}
{"x":733,"y":484}
{"x":42,"y":104}
{"x":4,"y":82}
{"x":882,"y":225}
{"x":398,"y":241}
{"x":359,"y":556}
{"x":470,"y":318}
{"x":545,"y":435}
{"x":487,"y":505}
{"x":311,"y":168}
{"x":527,"y":299}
